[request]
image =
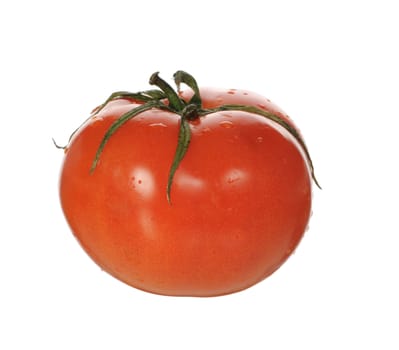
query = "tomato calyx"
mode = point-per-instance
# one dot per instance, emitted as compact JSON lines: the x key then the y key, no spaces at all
{"x":166,"y":98}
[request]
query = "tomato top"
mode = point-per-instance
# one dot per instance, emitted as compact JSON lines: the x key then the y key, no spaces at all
{"x":191,"y":106}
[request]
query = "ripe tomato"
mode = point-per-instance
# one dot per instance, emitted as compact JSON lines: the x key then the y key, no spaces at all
{"x":212,"y":216}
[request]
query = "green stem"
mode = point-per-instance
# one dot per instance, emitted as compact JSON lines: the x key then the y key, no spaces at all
{"x":144,"y":96}
{"x":183,"y":77}
{"x":174,"y":100}
{"x":190,"y":112}
{"x":181,"y":149}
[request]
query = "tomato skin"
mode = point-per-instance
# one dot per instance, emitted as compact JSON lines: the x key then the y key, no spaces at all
{"x":240,"y":199}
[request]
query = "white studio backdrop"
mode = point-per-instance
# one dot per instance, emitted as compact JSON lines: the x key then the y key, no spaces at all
{"x":331,"y":65}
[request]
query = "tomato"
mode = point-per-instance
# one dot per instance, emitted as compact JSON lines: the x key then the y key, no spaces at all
{"x":207,"y":210}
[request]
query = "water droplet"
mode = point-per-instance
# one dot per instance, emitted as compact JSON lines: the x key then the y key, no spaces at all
{"x":96,"y":119}
{"x":233,"y":176}
{"x":259,"y":139}
{"x":142,"y":182}
{"x":230,"y":180}
{"x":205,"y":131}
{"x":226,"y":124}
{"x":159,"y":124}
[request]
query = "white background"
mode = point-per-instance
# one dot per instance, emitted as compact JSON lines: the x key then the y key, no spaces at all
{"x":331,"y":65}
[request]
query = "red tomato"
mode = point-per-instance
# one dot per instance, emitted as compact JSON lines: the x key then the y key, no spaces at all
{"x":240,"y":197}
